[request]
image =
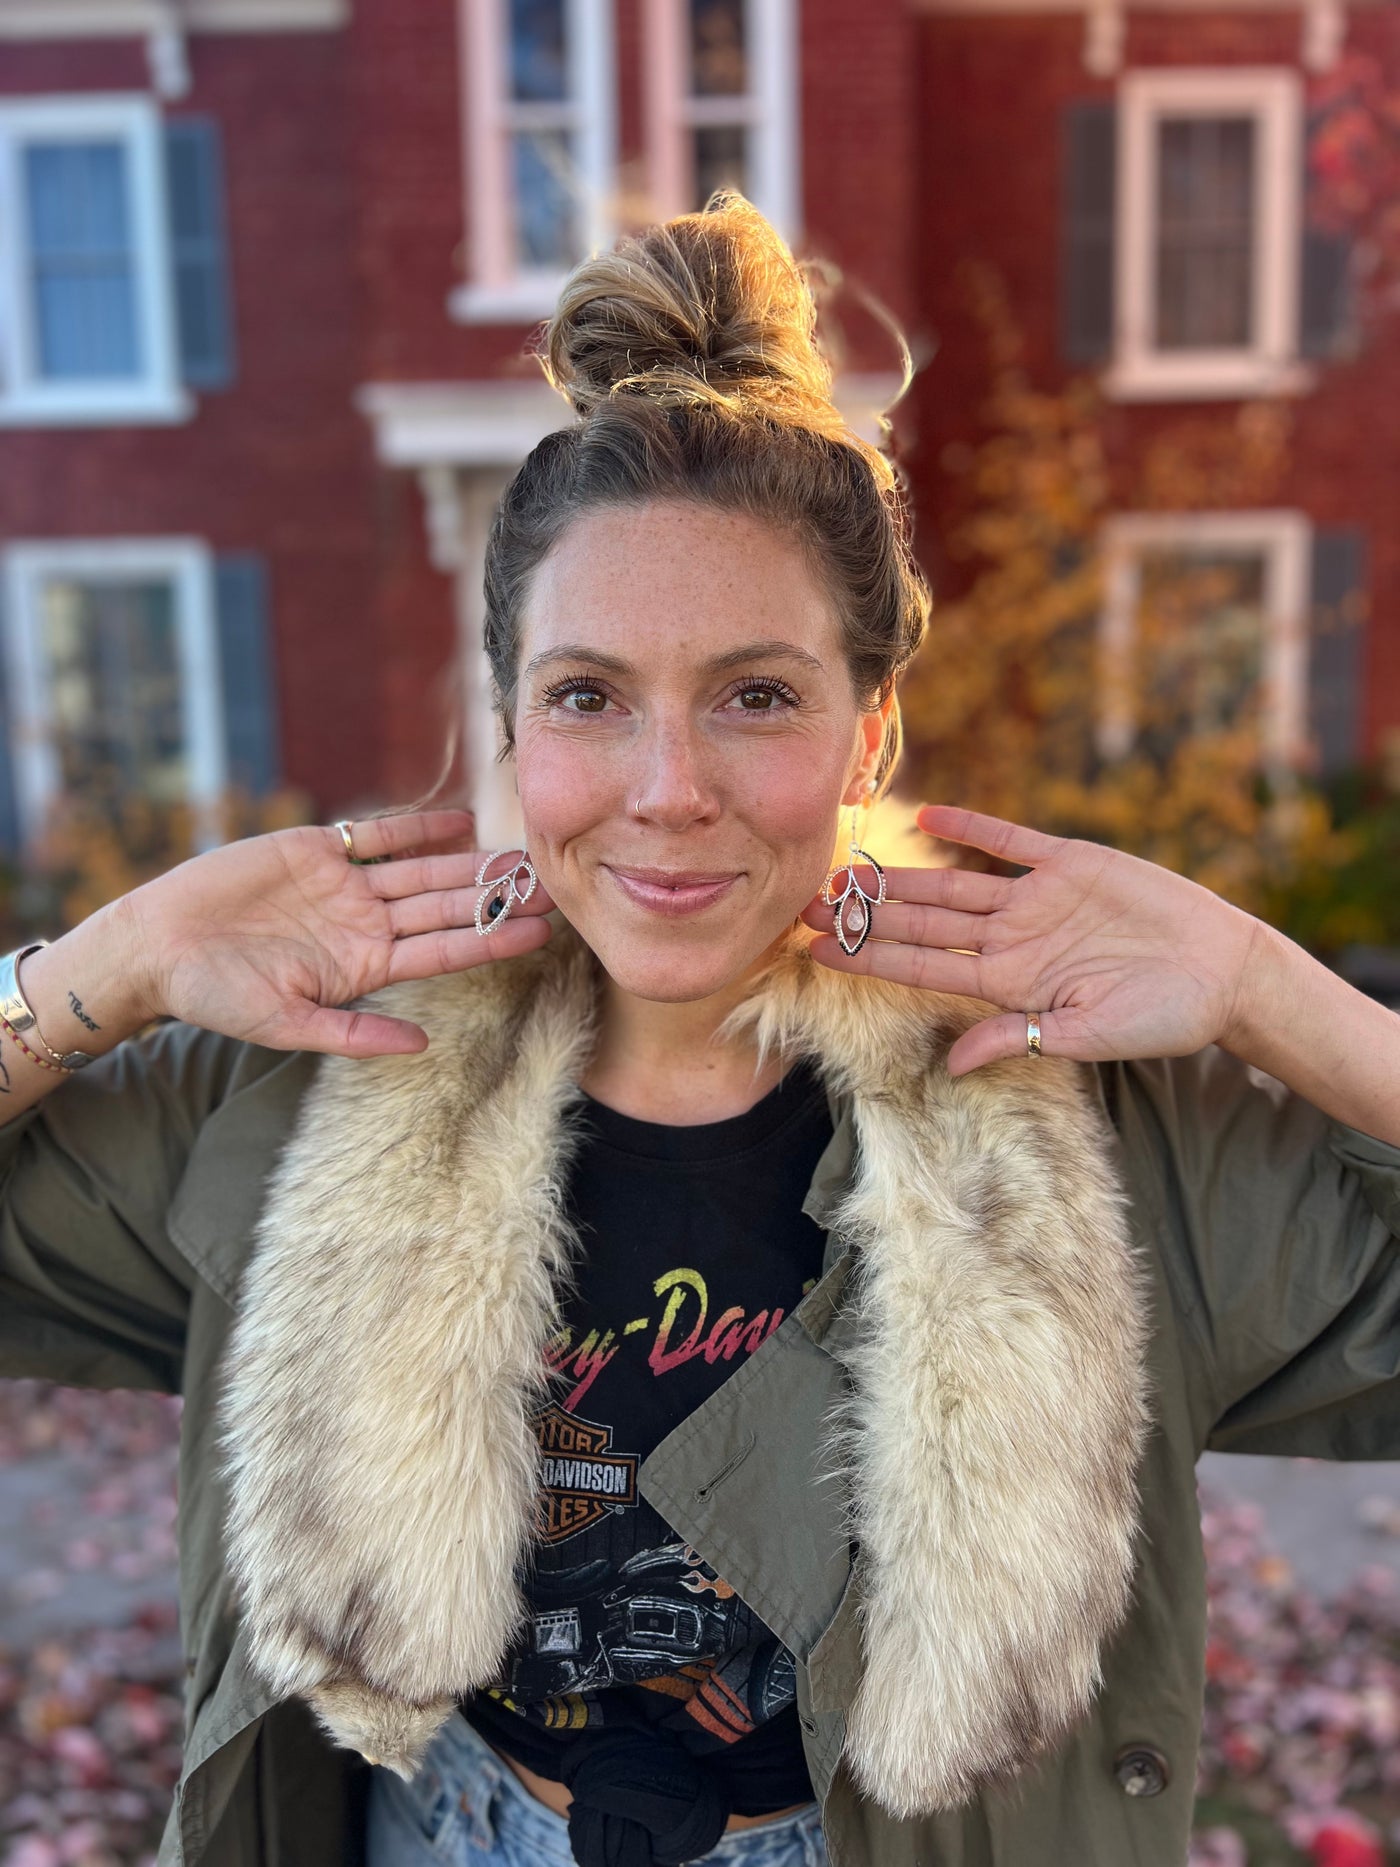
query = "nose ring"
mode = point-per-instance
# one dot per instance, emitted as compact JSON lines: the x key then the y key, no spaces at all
{"x":637,"y":808}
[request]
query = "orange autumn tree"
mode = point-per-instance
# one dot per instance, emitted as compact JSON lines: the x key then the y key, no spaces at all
{"x":1001,"y":705}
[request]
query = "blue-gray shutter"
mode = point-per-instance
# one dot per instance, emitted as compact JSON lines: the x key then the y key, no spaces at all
{"x":245,"y":662}
{"x":1326,"y":294}
{"x":9,"y":808}
{"x":199,"y":251}
{"x":1337,"y":645}
{"x":1088,"y":175}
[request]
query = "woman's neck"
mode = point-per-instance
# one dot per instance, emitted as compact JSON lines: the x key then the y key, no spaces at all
{"x":666,"y":1063}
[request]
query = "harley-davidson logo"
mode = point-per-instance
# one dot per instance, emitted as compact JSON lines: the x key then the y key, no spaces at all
{"x":580,"y":1480}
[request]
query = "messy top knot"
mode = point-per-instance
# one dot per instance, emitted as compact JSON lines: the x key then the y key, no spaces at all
{"x":689,"y":352}
{"x":709,"y":309}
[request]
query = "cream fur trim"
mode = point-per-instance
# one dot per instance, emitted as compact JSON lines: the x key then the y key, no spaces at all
{"x":390,"y":1346}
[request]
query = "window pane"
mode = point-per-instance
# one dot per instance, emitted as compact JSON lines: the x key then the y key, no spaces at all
{"x":545,"y":217}
{"x":111,"y":655}
{"x":539,"y":64}
{"x":1205,"y":233}
{"x":721,"y":159}
{"x":83,"y":265}
{"x":718,"y":55}
{"x":1201,"y":644}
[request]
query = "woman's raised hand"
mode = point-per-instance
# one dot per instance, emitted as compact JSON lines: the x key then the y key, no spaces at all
{"x":1121,"y":958}
{"x":266,"y":937}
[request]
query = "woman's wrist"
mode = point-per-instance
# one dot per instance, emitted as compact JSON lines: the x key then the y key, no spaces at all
{"x":1297,"y":1020}
{"x":89,"y":989}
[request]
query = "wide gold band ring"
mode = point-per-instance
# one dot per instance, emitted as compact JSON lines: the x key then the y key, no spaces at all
{"x":1033,"y":1034}
{"x":343,"y":825}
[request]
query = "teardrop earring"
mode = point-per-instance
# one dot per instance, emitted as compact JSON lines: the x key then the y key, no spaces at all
{"x":855,"y":909}
{"x":503,"y":892}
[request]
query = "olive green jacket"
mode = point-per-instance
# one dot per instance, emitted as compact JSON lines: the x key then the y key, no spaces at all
{"x":1047,"y":1288}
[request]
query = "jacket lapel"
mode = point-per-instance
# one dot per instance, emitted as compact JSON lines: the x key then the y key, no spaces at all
{"x":389,"y":1349}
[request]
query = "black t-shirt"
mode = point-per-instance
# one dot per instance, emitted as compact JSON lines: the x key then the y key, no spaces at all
{"x":693,"y":1247}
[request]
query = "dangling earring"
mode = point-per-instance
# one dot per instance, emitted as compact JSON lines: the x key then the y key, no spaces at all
{"x":855,"y":909}
{"x":505,"y":891}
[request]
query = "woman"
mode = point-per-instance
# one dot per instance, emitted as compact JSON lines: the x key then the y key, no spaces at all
{"x":659,"y":1385}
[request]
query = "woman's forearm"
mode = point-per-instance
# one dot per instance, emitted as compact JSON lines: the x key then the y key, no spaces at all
{"x":1340,"y":1050}
{"x":87,"y":992}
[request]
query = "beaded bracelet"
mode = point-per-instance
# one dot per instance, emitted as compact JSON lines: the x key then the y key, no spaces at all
{"x":43,"y":1062}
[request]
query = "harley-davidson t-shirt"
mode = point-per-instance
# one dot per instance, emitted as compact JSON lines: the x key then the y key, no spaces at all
{"x":693,"y":1247}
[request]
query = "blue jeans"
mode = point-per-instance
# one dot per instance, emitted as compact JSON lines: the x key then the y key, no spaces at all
{"x":466,"y":1807}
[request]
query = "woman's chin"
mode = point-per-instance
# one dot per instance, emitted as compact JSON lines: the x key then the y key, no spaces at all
{"x":677,"y":972}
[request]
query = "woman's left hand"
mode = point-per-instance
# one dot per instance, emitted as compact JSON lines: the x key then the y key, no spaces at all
{"x":1121,"y":958}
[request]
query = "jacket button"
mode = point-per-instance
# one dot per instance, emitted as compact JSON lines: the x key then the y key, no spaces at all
{"x":1141,"y":1770}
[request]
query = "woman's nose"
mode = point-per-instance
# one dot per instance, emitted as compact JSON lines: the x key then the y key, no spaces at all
{"x":673,"y":790}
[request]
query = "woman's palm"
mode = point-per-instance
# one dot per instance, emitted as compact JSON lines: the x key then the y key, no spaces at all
{"x":266,"y":937}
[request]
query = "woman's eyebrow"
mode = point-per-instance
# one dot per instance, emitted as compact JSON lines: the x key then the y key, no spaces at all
{"x":717,"y":664}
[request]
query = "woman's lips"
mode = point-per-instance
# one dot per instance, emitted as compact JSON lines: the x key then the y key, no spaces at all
{"x":672,"y":891}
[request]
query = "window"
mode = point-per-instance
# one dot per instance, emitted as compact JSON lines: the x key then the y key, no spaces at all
{"x":721,"y":82}
{"x":539,"y":150}
{"x":1204,"y":629}
{"x":1208,"y":233}
{"x":87,"y":316}
{"x":112,"y":673}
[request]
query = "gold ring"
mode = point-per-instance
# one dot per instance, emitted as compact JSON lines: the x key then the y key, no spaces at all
{"x":1033,"y":1034}
{"x":343,"y":825}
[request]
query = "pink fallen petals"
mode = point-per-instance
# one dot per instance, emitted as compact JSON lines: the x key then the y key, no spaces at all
{"x":1302,"y":1704}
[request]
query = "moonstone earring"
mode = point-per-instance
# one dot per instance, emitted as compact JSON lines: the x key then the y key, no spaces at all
{"x":503,"y":892}
{"x":855,"y":909}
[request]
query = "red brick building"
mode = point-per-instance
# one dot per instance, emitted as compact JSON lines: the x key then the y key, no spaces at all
{"x":267,"y":267}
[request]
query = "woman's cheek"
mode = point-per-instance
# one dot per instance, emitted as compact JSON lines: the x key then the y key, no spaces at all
{"x":563,"y":791}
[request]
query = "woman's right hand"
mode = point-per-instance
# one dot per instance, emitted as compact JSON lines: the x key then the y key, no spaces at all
{"x":264,"y":938}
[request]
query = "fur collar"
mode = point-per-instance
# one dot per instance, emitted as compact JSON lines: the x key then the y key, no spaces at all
{"x":389,"y":1348}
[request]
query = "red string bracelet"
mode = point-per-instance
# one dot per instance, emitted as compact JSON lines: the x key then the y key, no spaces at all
{"x":43,"y":1062}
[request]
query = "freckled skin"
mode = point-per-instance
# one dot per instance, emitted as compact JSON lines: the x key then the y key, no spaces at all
{"x":732,"y":778}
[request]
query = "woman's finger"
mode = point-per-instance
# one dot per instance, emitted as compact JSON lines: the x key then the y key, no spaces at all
{"x":455,"y":949}
{"x":343,"y":1033}
{"x":390,"y":836}
{"x":453,"y":907}
{"x":1005,"y":1036}
{"x":1013,"y":842}
{"x":966,"y":889}
{"x":933,"y":968}
{"x":912,"y":923}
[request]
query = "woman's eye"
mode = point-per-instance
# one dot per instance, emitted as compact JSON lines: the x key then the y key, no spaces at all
{"x":764,"y":697}
{"x":578,"y":698}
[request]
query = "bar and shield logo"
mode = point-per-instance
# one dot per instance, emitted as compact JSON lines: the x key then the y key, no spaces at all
{"x":581,"y":1481}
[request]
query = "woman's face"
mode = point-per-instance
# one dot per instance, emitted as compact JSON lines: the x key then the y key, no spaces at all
{"x":686,"y":734}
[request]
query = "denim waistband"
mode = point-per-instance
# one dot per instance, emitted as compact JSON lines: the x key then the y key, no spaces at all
{"x":465,"y":1791}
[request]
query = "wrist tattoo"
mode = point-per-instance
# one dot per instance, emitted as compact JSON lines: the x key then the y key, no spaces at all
{"x":80,"y":1014}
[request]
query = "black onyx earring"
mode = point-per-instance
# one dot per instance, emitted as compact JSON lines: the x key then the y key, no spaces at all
{"x":503,"y":892}
{"x":855,"y":909}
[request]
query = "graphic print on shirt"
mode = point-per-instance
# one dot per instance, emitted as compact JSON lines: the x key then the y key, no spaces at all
{"x":694,"y":1248}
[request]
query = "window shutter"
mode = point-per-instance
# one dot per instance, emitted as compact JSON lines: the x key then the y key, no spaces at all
{"x":1336,"y":647}
{"x":1326,"y":300}
{"x":245,"y":663}
{"x":1088,"y":198}
{"x":9,"y":808}
{"x":199,"y":251}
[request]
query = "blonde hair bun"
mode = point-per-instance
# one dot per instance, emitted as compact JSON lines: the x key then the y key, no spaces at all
{"x":708,"y":308}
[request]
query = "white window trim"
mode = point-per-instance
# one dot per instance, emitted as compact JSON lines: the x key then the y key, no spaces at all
{"x":771,"y":112}
{"x":26,"y":400}
{"x":1284,"y":540}
{"x":497,"y":290}
{"x":1269,"y":364}
{"x":188,"y":563}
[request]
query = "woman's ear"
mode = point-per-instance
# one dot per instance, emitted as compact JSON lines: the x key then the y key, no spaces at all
{"x":873,"y":726}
